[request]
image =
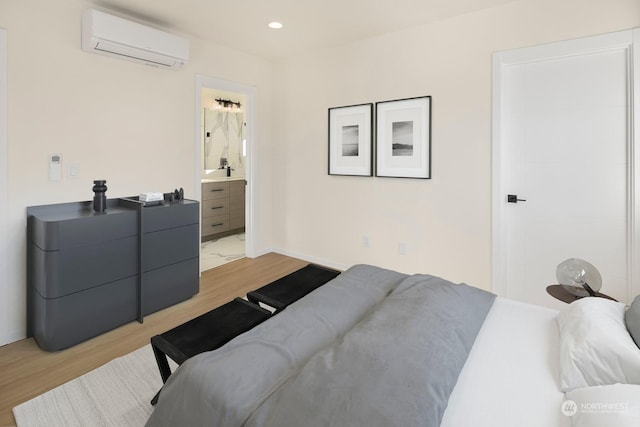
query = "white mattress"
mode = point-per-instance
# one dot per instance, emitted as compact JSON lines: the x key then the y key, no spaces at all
{"x":511,"y":375}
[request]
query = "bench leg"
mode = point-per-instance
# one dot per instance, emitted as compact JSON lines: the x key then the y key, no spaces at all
{"x":163,"y":363}
{"x":155,"y":398}
{"x":163,"y":366}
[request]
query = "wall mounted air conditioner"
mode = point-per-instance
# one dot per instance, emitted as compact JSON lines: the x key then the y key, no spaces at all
{"x":114,"y":36}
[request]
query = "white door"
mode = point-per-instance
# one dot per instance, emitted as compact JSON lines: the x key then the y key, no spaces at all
{"x":565,"y":149}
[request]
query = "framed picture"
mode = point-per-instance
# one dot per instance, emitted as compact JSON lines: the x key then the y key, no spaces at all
{"x":351,"y":140}
{"x":403,"y":138}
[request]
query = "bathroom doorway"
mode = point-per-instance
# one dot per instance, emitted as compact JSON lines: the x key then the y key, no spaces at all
{"x":225,"y":139}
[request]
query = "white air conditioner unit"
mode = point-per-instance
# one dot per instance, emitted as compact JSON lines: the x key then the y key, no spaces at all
{"x":114,"y":36}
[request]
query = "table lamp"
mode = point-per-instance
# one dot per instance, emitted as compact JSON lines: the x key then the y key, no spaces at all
{"x":578,"y":277}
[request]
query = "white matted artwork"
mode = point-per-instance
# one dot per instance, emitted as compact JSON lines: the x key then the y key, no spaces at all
{"x":351,"y":140}
{"x":403,"y":134}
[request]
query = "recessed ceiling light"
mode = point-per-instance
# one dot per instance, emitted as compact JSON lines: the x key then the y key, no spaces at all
{"x":275,"y":25}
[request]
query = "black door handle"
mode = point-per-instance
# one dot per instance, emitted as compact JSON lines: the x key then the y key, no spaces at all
{"x":513,"y":198}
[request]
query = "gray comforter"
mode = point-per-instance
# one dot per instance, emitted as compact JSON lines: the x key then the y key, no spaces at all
{"x":373,"y":347}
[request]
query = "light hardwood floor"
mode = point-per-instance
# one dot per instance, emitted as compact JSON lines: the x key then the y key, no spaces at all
{"x":26,"y":371}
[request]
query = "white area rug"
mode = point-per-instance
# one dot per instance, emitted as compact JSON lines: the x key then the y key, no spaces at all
{"x":115,"y":394}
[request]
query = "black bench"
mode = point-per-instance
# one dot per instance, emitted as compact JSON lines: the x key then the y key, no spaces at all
{"x":292,"y":287}
{"x":219,"y":326}
{"x":205,"y":333}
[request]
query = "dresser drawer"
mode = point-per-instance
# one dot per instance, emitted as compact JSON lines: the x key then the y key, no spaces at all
{"x":170,"y":284}
{"x":214,"y":207}
{"x":68,"y":225}
{"x":215,"y":224}
{"x":65,"y":272}
{"x":169,"y":215}
{"x":170,"y":246}
{"x":62,"y":322}
{"x":215,"y":190}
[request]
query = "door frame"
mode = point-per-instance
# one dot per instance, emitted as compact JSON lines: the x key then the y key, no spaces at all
{"x":5,"y":334}
{"x":623,"y":40}
{"x":251,"y":198}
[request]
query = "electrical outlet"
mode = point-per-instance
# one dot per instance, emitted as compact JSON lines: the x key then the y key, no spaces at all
{"x":365,"y":241}
{"x":402,"y":248}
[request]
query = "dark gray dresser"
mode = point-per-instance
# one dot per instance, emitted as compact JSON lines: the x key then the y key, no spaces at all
{"x":91,"y":272}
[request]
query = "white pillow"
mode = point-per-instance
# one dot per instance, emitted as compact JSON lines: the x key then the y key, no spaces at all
{"x":595,"y":346}
{"x":632,"y":320}
{"x":610,"y":405}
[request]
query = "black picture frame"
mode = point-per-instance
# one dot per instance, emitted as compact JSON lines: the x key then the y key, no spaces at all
{"x":403,"y":138}
{"x":350,"y":138}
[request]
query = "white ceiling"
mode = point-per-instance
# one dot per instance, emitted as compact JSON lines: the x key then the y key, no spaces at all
{"x":308,"y":25}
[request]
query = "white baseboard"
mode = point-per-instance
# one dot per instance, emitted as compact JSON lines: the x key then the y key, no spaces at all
{"x":312,"y":259}
{"x":261,"y":252}
{"x":12,"y":337}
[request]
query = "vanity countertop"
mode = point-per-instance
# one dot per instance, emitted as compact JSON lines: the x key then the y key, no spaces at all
{"x":223,"y":179}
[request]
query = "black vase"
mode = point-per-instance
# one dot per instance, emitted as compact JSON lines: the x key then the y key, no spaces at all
{"x":100,"y":199}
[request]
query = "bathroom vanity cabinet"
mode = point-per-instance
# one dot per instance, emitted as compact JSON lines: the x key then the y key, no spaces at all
{"x":90,"y":272}
{"x":223,"y":208}
{"x":237,"y":204}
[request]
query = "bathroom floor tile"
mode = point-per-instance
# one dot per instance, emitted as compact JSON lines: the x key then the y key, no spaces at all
{"x":215,"y":253}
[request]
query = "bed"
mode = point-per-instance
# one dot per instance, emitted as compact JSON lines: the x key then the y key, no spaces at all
{"x":376,"y":347}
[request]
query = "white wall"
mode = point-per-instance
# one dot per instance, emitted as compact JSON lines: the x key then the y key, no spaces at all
{"x":3,"y":184}
{"x":446,"y":221}
{"x":130,"y":124}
